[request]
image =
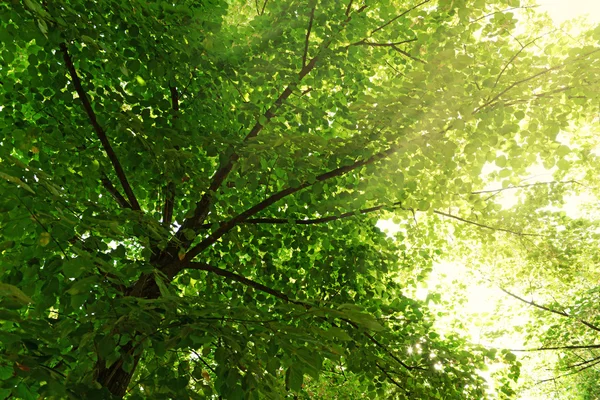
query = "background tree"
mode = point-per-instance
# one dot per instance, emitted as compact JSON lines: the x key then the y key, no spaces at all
{"x":191,"y":189}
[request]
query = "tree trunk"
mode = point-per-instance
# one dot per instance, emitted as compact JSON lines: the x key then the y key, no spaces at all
{"x":115,"y":378}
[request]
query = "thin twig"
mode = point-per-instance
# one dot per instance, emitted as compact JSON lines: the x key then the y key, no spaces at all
{"x":405,"y":53}
{"x":242,"y":279}
{"x":525,"y":186}
{"x":512,"y":85}
{"x":557,"y":312}
{"x":204,"y":362}
{"x":523,"y":47}
{"x":502,"y":11}
{"x":399,"y":16}
{"x":373,"y":44}
{"x":486,"y":226}
{"x":567,"y":347}
{"x":391,"y":379}
{"x":567,"y":374}
{"x":43,"y":226}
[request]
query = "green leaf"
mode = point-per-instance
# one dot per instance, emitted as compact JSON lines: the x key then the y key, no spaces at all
{"x":15,"y":294}
{"x":337,"y":333}
{"x":74,"y":267}
{"x":24,"y":392}
{"x":294,"y":378}
{"x":6,"y":372}
{"x":16,"y":181}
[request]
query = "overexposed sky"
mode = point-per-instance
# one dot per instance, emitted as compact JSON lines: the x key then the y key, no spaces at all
{"x":562,"y":10}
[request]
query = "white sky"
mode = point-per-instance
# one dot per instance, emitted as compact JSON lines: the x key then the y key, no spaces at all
{"x":562,"y":10}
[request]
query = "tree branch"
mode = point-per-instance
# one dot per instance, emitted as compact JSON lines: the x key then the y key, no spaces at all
{"x":399,"y":16}
{"x":204,"y":362}
{"x":169,"y":204}
{"x":502,"y":11}
{"x":242,"y":279}
{"x":221,"y":174}
{"x":568,"y":347}
{"x":523,"y":47}
{"x":263,"y":7}
{"x":569,"y":373}
{"x":391,"y":379}
{"x":348,"y":214}
{"x":260,"y":287}
{"x":372,"y":44}
{"x":388,"y":351}
{"x":98,"y":129}
{"x":485,"y":226}
{"x":310,"y":23}
{"x":170,"y":188}
{"x":525,"y":186}
{"x":579,"y":364}
{"x":114,"y":192}
{"x":349,"y":7}
{"x":405,"y":53}
{"x":512,"y":85}
{"x":307,"y":221}
{"x":227,"y":226}
{"x":561,"y":313}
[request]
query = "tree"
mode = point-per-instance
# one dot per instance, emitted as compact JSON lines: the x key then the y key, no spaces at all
{"x":191,"y":189}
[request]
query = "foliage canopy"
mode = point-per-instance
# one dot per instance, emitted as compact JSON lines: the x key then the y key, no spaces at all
{"x":190,"y":189}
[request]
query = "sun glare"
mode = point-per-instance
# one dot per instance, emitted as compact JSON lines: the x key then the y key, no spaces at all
{"x":480,"y":299}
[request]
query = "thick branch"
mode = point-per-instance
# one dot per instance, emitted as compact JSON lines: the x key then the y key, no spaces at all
{"x":98,"y":129}
{"x":219,"y":177}
{"x":557,"y":312}
{"x":221,"y":174}
{"x":169,"y":204}
{"x":349,"y":7}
